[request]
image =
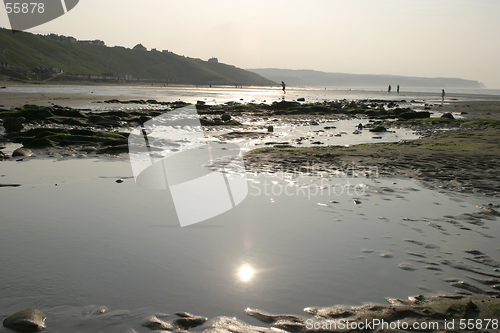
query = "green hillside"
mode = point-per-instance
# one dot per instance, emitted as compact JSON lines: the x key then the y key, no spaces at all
{"x":25,"y":52}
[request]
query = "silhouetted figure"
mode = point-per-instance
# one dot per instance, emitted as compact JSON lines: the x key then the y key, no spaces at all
{"x":284,"y":87}
{"x":389,"y":88}
{"x":397,"y":88}
{"x":360,"y":126}
{"x":442,"y":95}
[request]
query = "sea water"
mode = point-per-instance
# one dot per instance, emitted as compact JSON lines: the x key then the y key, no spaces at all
{"x":223,"y":94}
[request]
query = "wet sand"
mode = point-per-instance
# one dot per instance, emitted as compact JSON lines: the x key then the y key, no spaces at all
{"x":464,"y":161}
{"x":458,"y":159}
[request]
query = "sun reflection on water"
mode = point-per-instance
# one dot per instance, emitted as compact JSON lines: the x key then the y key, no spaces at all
{"x":245,"y":273}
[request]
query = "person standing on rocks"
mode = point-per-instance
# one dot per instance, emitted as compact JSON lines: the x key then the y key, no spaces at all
{"x":442,"y":95}
{"x":389,"y":88}
{"x":284,"y":87}
{"x":397,"y":88}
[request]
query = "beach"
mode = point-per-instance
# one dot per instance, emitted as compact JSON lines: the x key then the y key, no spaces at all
{"x":426,"y":192}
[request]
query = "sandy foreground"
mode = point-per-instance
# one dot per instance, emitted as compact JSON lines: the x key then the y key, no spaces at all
{"x":456,"y":159}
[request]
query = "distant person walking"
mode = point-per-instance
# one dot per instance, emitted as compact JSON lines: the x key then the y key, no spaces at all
{"x":442,"y":95}
{"x":397,"y":88}
{"x":389,"y":88}
{"x":284,"y":87}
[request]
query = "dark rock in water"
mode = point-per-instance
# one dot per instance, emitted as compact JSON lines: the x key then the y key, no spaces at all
{"x":226,"y":117}
{"x":302,"y":99}
{"x":188,"y":321}
{"x":415,"y":115}
{"x":155,"y":323}
{"x":407,"y":266}
{"x":12,"y":124}
{"x":269,"y":318}
{"x":30,"y":320}
{"x":94,"y":310}
{"x":270,"y":129}
{"x":317,"y":143}
{"x":226,"y":324}
{"x":21,"y":119}
{"x":112,"y":101}
{"x":448,"y":116}
{"x":314,"y":123}
{"x":22,"y":152}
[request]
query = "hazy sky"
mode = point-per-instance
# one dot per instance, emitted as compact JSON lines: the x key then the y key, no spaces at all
{"x":431,"y":38}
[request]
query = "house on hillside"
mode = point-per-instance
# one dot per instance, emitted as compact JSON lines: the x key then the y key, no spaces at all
{"x":139,"y":47}
{"x":213,"y":59}
{"x":96,"y":42}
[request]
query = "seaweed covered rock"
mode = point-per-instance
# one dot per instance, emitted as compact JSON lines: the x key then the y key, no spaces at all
{"x":378,"y":128}
{"x":284,"y":105}
{"x":51,"y":137}
{"x":415,"y":115}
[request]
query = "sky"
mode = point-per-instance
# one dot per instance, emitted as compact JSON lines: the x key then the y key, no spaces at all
{"x":425,"y":38}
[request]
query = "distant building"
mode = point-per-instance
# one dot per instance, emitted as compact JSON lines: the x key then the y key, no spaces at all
{"x":96,"y":42}
{"x":213,"y":60}
{"x":70,"y":39}
{"x":165,"y":51}
{"x":59,"y":38}
{"x":139,"y":47}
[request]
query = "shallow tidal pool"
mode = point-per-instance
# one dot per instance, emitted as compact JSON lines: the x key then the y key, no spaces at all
{"x":71,"y":237}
